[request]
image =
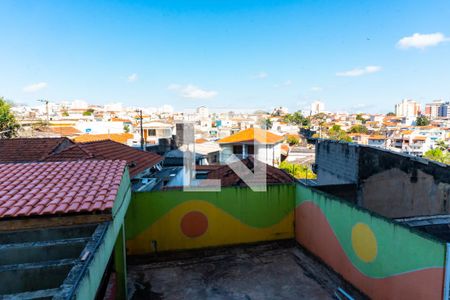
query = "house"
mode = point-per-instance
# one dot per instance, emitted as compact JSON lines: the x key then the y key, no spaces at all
{"x":253,"y":142}
{"x":376,"y":140}
{"x":140,"y":163}
{"x":152,"y":133}
{"x":31,"y":149}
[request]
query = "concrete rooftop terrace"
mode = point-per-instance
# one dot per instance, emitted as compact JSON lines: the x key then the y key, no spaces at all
{"x":274,"y":270}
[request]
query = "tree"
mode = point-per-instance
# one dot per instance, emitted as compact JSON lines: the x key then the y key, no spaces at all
{"x":390,"y":114}
{"x":8,"y":123}
{"x":88,"y":112}
{"x":297,"y":170}
{"x":126,"y":128}
{"x":292,"y":140}
{"x":438,"y":155}
{"x":336,"y":133}
{"x":359,"y":117}
{"x":297,"y":119}
{"x":359,"y":129}
{"x":442,"y":145}
{"x":266,"y":123}
{"x":422,"y":121}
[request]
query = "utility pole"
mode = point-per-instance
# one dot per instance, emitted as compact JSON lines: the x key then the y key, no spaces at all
{"x":142,"y":129}
{"x":46,"y":109}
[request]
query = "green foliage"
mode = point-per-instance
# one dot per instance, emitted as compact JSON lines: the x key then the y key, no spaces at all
{"x":126,"y":128}
{"x":88,"y":112}
{"x":337,"y":134}
{"x":438,"y":155}
{"x":390,"y":114}
{"x":65,"y":113}
{"x":292,"y":140}
{"x":297,"y":170}
{"x":296,"y":119}
{"x":422,"y":121}
{"x":8,"y":123}
{"x":359,"y":129}
{"x":360,"y":118}
{"x":442,"y":145}
{"x":266,"y":123}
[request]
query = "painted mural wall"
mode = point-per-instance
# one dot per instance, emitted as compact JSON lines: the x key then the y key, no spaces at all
{"x":186,"y":220}
{"x":382,"y":259}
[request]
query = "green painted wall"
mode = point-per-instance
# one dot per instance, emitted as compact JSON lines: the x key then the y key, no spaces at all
{"x":378,"y":256}
{"x":88,"y":286}
{"x":250,"y":216}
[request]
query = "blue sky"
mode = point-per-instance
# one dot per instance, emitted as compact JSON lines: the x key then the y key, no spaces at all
{"x":226,"y":54}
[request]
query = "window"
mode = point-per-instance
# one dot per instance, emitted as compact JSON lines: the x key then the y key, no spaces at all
{"x":250,"y":149}
{"x":151,"y":132}
{"x":237,"y":149}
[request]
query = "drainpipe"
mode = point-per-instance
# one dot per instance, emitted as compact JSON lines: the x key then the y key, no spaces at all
{"x":447,"y":273}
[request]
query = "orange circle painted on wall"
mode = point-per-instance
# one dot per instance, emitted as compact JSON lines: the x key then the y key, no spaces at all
{"x":194,"y":224}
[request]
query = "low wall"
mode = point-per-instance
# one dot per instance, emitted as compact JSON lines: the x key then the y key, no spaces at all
{"x":383,"y":259}
{"x":175,"y":220}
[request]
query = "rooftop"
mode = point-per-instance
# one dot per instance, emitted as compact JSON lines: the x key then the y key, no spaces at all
{"x":116,"y":137}
{"x":65,"y":130}
{"x":275,"y":270}
{"x":137,"y":160}
{"x":252,"y":135}
{"x":55,"y":188}
{"x":229,"y":178}
{"x":30,"y":149}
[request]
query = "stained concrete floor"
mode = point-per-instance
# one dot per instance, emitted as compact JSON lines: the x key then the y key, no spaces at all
{"x":277,"y":270}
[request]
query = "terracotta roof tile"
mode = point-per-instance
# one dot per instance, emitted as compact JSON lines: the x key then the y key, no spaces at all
{"x":229,"y":178}
{"x":65,"y":130}
{"x":116,"y":137}
{"x":252,"y":134}
{"x":22,"y":196}
{"x":30,"y":149}
{"x":137,"y":160}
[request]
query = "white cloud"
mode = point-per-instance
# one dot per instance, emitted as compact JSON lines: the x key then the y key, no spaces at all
{"x":359,"y":71}
{"x":286,"y":83}
{"x":421,"y":41}
{"x":261,"y":75}
{"x":35,"y":87}
{"x":191,"y":91}
{"x":133,"y":77}
{"x":316,"y":89}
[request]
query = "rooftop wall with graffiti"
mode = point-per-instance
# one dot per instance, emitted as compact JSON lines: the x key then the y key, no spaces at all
{"x":175,"y":220}
{"x":383,"y":259}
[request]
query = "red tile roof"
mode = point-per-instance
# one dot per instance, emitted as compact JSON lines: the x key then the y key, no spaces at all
{"x":137,"y":160}
{"x":55,"y":188}
{"x":230,"y":178}
{"x":252,"y":134}
{"x":65,"y":130}
{"x":30,"y":149}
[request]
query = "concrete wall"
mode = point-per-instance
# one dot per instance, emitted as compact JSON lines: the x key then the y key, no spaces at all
{"x":174,"y":220}
{"x":383,"y":259}
{"x":336,"y":163}
{"x":391,"y":184}
{"x":397,"y":185}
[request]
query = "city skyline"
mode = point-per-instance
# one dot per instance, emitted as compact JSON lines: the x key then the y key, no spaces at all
{"x":353,"y":57}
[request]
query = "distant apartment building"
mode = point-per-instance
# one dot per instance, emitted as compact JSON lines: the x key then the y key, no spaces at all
{"x":253,"y":142}
{"x":444,"y":110}
{"x":407,"y":108}
{"x":432,"y":109}
{"x":317,"y":107}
